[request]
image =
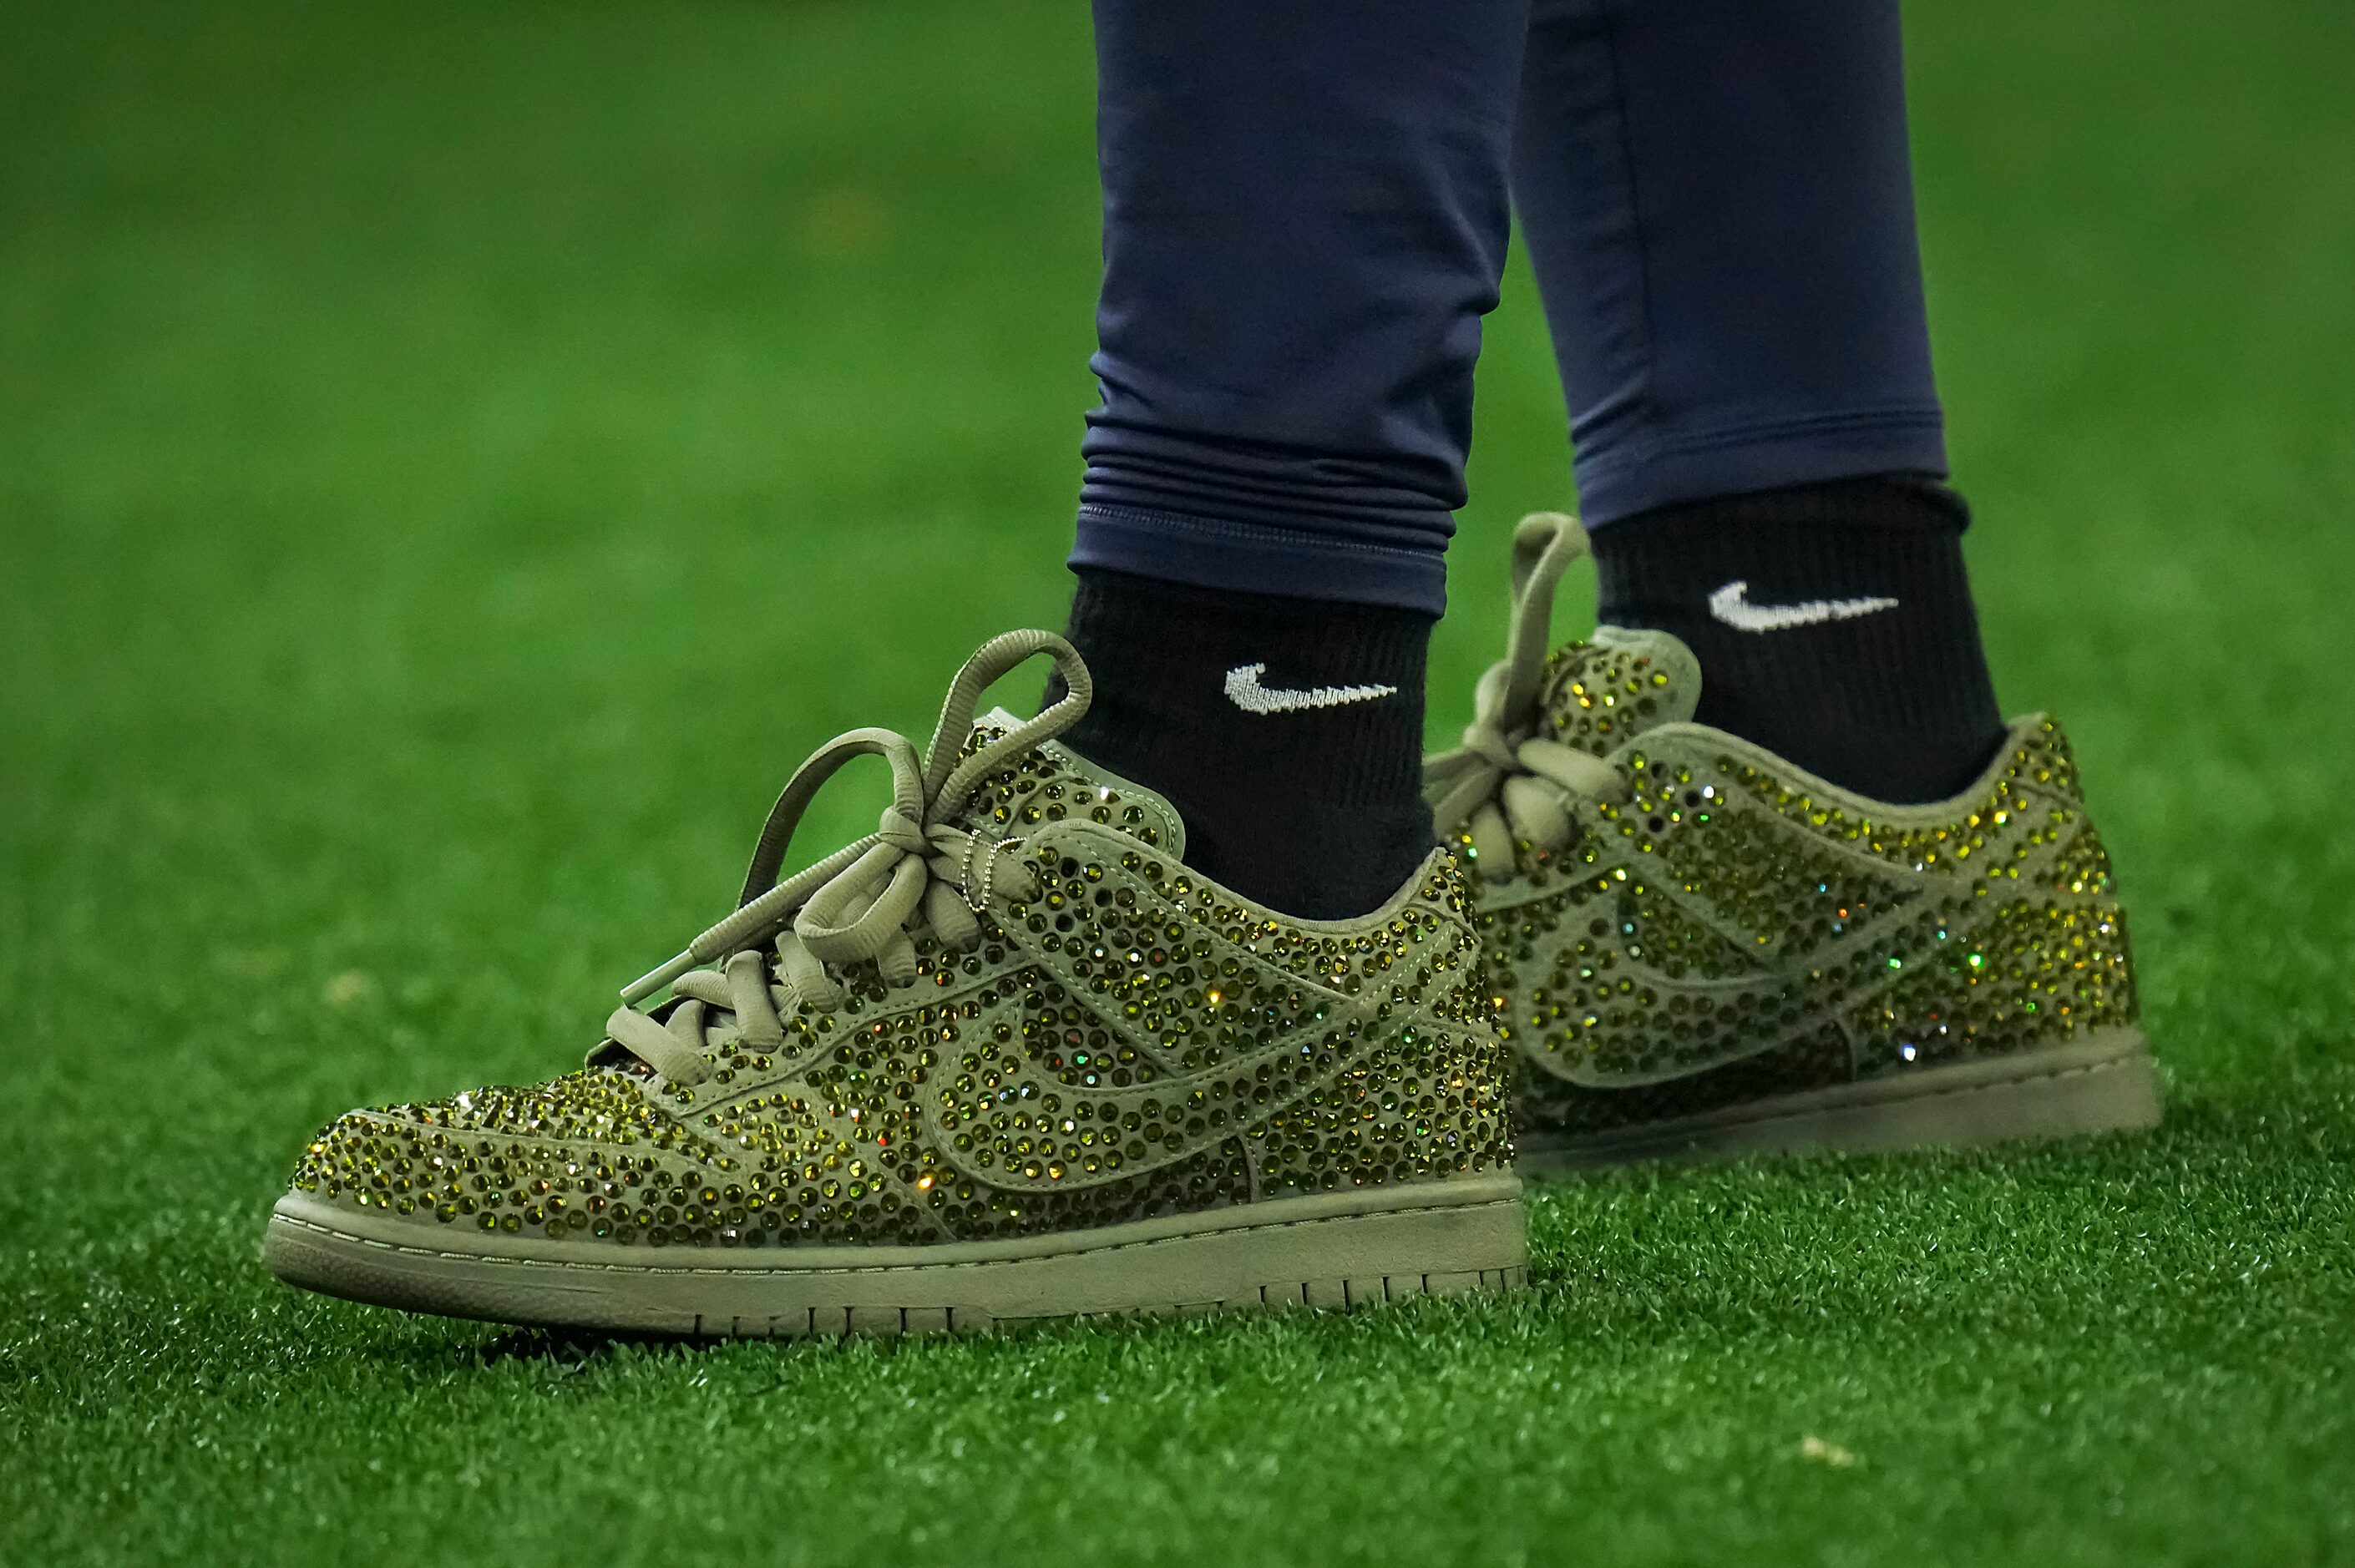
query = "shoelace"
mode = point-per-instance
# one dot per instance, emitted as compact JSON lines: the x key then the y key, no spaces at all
{"x":868,"y":899}
{"x":1504,"y":784}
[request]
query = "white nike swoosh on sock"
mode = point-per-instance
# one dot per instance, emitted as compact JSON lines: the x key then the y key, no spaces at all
{"x":1731,"y":605}
{"x":1244,"y":691}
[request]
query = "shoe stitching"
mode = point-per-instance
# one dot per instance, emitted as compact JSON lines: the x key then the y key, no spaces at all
{"x":863,"y":1270}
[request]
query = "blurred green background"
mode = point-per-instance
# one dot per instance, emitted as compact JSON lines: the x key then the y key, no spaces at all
{"x":455,"y":459}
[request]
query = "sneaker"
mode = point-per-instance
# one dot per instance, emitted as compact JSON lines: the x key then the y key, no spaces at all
{"x":1693,"y":948}
{"x":1007,"y":1058}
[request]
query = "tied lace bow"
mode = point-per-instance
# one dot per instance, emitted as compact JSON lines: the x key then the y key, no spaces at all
{"x":868,"y":899}
{"x":1504,"y":784}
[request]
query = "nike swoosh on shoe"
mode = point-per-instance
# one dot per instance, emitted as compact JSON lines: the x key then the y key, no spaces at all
{"x":1078,"y":1057}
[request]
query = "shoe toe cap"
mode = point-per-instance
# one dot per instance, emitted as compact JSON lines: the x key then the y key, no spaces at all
{"x":516,"y":1159}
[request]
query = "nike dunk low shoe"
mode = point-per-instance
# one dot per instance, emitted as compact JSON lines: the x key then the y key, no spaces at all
{"x":1006,"y":1058}
{"x":1693,"y":948}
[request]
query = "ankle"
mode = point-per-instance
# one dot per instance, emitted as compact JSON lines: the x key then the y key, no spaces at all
{"x":1833,"y":625}
{"x":1312,"y":808}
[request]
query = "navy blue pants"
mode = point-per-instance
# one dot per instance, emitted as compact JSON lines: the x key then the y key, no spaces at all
{"x":1307,"y":208}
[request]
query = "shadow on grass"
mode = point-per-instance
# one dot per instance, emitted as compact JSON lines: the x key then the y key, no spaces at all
{"x":1995,"y":1240}
{"x":1329,"y":1335}
{"x":570,"y":1347}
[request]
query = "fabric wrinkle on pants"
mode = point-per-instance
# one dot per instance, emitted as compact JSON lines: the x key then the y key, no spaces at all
{"x":1306,"y":215}
{"x":1718,"y":202}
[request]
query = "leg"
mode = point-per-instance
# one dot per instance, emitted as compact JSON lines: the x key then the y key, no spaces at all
{"x":1869,"y":917}
{"x":1306,"y":217}
{"x":1718,"y":202}
{"x":1048,"y":1042}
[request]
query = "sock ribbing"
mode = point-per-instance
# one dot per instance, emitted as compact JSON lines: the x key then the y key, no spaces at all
{"x":1893,"y":701}
{"x":1317,"y":811}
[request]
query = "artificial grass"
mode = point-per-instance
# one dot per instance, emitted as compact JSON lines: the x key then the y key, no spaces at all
{"x":454,"y":460}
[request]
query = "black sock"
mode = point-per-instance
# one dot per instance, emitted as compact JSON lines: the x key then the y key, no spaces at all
{"x":1315,"y":810}
{"x":1892,"y":701}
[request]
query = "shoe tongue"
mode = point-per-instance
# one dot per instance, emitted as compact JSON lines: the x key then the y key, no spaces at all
{"x":1051,"y":783}
{"x":1598,"y":696}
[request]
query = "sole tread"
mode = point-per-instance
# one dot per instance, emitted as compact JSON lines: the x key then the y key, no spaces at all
{"x":1473,"y":1226}
{"x":2105,"y":1083}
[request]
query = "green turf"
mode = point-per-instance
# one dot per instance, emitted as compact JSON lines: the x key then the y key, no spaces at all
{"x":453,"y":461}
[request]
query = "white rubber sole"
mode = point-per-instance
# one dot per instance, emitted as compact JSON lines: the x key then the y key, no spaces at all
{"x":1335,"y":1250}
{"x":2104,"y":1082}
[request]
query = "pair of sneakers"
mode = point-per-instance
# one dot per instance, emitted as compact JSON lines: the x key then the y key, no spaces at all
{"x":1009,"y":1058}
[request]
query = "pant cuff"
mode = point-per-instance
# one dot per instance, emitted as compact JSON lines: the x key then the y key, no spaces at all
{"x":1258,"y":557}
{"x":1632,"y":478}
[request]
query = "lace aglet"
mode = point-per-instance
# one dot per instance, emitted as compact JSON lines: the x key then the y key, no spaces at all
{"x":652,"y":980}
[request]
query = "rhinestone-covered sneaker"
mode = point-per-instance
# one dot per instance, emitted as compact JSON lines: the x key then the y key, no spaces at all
{"x":1695,"y":949}
{"x":1005,"y":1059}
